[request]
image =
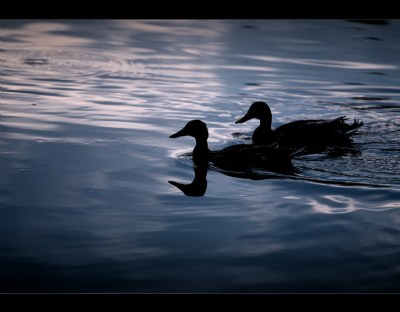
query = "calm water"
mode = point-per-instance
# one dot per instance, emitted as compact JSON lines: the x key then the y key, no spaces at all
{"x":85,"y":114}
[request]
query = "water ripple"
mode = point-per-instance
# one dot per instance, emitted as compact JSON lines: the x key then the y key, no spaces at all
{"x":332,"y":204}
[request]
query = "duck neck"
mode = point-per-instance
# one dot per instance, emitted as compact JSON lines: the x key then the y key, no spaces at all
{"x":265,"y":122}
{"x":263,"y":134}
{"x":201,"y":151}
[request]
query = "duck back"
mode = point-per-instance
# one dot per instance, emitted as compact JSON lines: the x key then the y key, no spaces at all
{"x":318,"y":133}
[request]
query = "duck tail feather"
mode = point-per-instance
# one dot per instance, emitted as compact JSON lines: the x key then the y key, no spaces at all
{"x":353,"y":128}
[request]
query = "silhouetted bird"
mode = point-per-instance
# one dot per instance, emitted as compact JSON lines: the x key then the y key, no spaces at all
{"x":198,"y":186}
{"x":319,"y":133}
{"x":236,"y":157}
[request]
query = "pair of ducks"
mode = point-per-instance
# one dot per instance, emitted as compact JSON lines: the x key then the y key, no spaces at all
{"x":272,"y":149}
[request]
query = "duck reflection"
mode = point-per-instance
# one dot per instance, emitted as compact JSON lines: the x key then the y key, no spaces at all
{"x":198,"y":186}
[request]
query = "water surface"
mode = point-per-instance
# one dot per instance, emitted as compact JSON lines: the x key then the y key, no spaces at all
{"x":86,"y":110}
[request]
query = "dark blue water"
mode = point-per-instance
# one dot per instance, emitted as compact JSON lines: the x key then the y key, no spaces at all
{"x":85,"y":114}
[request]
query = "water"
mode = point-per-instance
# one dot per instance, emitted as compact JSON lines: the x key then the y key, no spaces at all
{"x":86,"y":111}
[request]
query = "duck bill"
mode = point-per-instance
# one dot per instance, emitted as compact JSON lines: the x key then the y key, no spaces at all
{"x":182,"y":187}
{"x":179,"y":134}
{"x":178,"y":185}
{"x":190,"y":189}
{"x":244,"y":119}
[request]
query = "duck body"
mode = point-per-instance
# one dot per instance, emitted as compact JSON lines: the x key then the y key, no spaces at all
{"x":244,"y":156}
{"x":235,"y":157}
{"x":313,"y":133}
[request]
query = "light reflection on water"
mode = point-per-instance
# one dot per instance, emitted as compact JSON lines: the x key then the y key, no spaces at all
{"x":86,"y":111}
{"x":347,"y":205}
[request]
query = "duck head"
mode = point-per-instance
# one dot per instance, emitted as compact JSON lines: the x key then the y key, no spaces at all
{"x":194,"y":128}
{"x":258,"y":110}
{"x":198,"y":130}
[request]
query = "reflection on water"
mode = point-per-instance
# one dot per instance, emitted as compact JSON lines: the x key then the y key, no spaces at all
{"x":198,"y":186}
{"x":347,"y":205}
{"x":86,"y":110}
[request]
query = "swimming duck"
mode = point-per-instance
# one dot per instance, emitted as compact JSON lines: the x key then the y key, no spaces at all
{"x":310,"y":133}
{"x":235,"y":157}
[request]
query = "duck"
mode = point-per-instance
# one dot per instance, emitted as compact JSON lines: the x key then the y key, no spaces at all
{"x":236,"y":157}
{"x":312,"y":133}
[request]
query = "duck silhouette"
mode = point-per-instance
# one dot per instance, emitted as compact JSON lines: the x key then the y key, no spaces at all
{"x":236,"y":157}
{"x":313,"y":134}
{"x":198,"y":186}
